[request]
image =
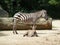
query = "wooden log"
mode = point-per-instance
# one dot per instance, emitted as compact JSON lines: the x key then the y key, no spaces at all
{"x":7,"y":23}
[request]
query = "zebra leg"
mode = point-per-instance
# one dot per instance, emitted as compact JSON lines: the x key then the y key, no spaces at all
{"x":36,"y":34}
{"x":14,"y":26}
{"x":33,"y":27}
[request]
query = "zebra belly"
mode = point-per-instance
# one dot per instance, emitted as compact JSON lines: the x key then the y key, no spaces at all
{"x":30,"y":20}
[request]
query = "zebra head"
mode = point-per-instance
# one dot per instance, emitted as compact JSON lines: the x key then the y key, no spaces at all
{"x":43,"y":14}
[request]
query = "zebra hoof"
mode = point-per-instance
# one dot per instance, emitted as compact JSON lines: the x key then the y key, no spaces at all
{"x":25,"y":35}
{"x":31,"y":33}
{"x":15,"y":33}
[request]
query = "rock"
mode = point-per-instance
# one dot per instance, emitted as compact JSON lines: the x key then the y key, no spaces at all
{"x":3,"y":13}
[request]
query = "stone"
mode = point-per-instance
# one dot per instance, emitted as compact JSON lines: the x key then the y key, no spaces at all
{"x":3,"y":13}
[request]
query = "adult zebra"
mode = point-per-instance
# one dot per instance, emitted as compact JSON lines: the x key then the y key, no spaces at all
{"x":28,"y":17}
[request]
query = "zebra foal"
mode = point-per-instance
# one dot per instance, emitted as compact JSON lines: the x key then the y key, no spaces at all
{"x":28,"y":17}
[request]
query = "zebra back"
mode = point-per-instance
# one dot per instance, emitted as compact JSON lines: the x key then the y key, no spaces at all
{"x":28,"y":17}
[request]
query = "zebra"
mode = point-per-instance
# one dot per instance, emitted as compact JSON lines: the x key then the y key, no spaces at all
{"x":28,"y":17}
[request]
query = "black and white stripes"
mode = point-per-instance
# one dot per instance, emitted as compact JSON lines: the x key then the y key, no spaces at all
{"x":26,"y":17}
{"x":22,"y":16}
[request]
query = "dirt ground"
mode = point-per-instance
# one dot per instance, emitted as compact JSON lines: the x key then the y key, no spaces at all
{"x":46,"y":37}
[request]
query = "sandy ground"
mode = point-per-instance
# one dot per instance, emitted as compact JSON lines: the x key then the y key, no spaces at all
{"x":56,"y":24}
{"x":46,"y":37}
